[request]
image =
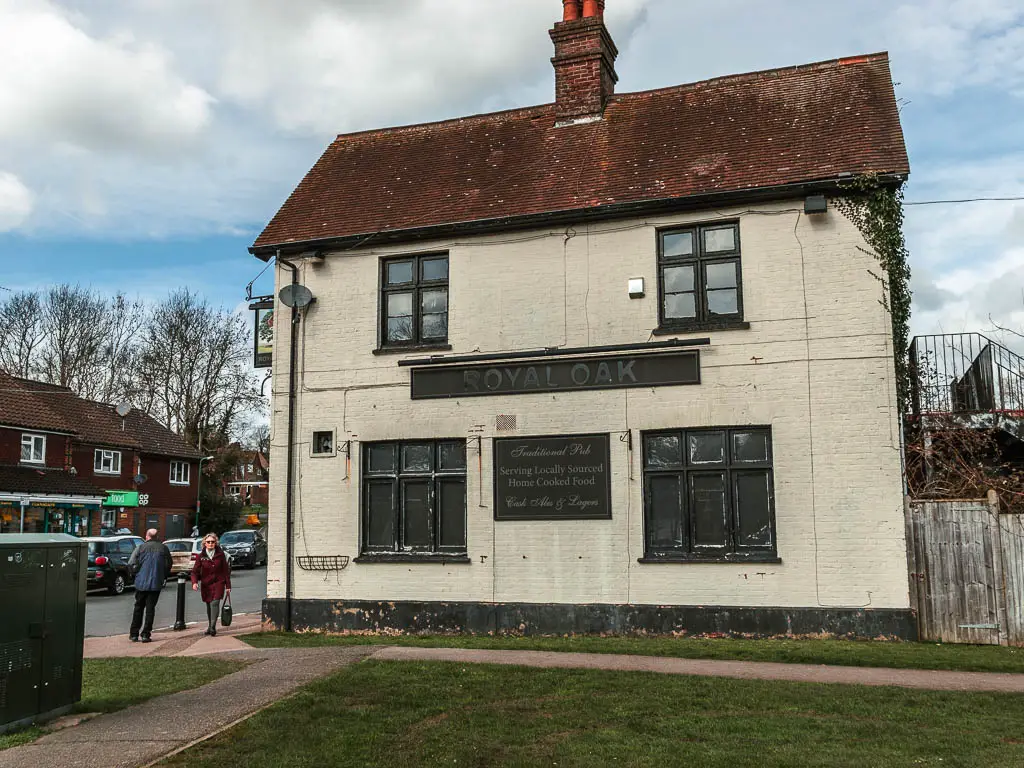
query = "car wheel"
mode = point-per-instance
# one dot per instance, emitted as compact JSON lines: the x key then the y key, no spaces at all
{"x":118,"y":586}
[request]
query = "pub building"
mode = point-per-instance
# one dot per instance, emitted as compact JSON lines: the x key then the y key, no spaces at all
{"x":617,"y":363}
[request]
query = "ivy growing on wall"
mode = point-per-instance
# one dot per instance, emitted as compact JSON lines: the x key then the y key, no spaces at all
{"x":875,"y":207}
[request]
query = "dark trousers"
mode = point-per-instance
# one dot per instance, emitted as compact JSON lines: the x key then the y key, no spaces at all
{"x":144,"y":601}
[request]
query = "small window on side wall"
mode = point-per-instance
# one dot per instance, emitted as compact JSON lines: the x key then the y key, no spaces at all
{"x":414,"y":301}
{"x":323,"y":443}
{"x":699,"y":278}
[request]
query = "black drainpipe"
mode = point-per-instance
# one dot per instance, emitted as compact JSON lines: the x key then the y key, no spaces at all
{"x":289,"y":494}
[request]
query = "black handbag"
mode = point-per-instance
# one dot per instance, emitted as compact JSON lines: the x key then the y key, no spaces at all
{"x":225,"y":611}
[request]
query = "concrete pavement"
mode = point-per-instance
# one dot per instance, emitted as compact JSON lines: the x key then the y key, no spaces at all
{"x":936,"y":680}
{"x":166,"y":642}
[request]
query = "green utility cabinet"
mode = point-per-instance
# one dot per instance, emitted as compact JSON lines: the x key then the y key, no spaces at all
{"x":42,"y":625}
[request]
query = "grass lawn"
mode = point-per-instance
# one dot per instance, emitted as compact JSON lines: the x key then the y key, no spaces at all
{"x":427,"y":714}
{"x":112,"y":684}
{"x":849,"y":653}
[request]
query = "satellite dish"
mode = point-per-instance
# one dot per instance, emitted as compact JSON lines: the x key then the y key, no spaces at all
{"x":140,"y":479}
{"x":295,"y":296}
{"x":123,"y":409}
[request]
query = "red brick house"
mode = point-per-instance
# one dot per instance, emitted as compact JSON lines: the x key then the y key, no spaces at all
{"x":80,"y":467}
{"x":248,"y":481}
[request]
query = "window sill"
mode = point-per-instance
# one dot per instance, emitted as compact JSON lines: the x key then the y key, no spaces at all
{"x":729,"y":325}
{"x":412,"y":348}
{"x":732,"y":560}
{"x":414,"y":558}
{"x":181,"y":485}
{"x":106,"y":474}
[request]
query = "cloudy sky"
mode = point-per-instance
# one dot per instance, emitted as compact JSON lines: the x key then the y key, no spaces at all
{"x":144,"y":143}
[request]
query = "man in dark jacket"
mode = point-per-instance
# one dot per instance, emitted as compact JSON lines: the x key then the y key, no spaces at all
{"x":150,"y":563}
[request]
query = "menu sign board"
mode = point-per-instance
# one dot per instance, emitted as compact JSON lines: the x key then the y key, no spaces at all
{"x":552,"y":478}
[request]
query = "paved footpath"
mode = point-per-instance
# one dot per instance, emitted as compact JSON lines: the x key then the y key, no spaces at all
{"x":937,"y":680}
{"x":191,"y":641}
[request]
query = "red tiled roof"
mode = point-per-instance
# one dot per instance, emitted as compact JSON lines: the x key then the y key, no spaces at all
{"x":51,"y":481}
{"x":38,"y":405}
{"x":22,"y":406}
{"x":154,"y":437}
{"x":730,"y":134}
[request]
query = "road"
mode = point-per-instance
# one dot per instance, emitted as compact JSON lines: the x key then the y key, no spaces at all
{"x":111,"y":614}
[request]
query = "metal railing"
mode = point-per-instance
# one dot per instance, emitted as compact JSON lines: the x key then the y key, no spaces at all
{"x":964,"y":373}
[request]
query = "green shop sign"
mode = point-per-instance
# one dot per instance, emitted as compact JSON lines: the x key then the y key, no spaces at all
{"x":121,"y":499}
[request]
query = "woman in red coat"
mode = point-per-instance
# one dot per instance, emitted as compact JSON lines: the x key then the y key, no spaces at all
{"x":212,"y":575}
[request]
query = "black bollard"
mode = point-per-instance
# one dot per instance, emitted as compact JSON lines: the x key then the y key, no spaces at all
{"x":179,"y":618}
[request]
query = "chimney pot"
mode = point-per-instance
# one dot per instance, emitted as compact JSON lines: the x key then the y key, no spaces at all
{"x":584,"y":62}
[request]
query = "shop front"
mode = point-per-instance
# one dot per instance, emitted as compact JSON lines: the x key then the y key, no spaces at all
{"x":35,"y":514}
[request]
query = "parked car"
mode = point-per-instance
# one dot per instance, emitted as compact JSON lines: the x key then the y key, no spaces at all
{"x":181,"y":555}
{"x":197,"y":550}
{"x":108,"y":562}
{"x":246,"y":547}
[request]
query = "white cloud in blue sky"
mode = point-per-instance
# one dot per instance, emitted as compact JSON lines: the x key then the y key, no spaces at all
{"x":142,"y":139}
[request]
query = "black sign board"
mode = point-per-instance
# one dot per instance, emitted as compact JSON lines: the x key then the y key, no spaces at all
{"x":263,"y":333}
{"x":552,"y":478}
{"x":523,"y":378}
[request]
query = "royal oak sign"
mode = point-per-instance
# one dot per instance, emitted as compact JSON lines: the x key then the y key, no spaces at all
{"x":577,"y":373}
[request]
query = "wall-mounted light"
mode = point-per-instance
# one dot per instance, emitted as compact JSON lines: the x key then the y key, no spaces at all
{"x":815,"y":204}
{"x":636,"y":288}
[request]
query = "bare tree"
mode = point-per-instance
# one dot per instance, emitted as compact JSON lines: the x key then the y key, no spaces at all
{"x":21,"y":332}
{"x":193,"y":368}
{"x":75,"y":323}
{"x":257,"y":438}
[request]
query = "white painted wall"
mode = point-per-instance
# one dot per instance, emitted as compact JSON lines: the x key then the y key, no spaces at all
{"x":816,"y":365}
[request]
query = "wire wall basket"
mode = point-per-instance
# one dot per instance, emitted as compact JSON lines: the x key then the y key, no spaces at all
{"x":323,"y":562}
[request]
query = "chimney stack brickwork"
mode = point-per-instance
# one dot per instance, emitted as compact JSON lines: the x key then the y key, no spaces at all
{"x":584,"y":65}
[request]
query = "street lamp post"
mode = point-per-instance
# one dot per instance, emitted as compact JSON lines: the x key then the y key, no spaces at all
{"x":199,"y":489}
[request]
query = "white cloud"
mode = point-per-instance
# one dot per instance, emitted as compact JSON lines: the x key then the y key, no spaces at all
{"x":16,"y":201}
{"x":58,"y":84}
{"x":954,"y":44}
{"x":328,"y":67}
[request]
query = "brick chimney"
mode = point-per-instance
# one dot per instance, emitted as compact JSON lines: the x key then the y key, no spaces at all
{"x":584,"y":61}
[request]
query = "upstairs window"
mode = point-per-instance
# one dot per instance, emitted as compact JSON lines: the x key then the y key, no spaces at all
{"x":33,"y":449}
{"x":107,"y":462}
{"x":414,"y":301}
{"x":179,"y":473}
{"x":699,"y":276}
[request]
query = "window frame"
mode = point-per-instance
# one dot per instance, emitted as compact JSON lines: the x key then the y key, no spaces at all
{"x":99,"y":454}
{"x":313,"y":444}
{"x":416,"y":288}
{"x":398,"y":479}
{"x":731,"y":469}
{"x":32,"y":438}
{"x":699,"y":260}
{"x":187,"y":473}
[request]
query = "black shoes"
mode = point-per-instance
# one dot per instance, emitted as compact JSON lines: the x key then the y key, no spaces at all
{"x":146,"y":639}
{"x":133,"y":638}
{"x":213,"y":631}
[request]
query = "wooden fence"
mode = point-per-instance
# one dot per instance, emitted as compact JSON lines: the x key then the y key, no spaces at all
{"x":966,"y":571}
